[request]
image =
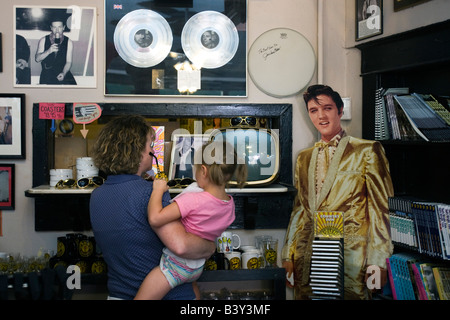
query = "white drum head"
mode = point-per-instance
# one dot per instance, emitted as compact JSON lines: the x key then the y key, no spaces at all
{"x":281,"y":62}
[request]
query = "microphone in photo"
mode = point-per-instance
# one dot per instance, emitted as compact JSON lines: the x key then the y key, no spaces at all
{"x":57,"y":38}
{"x":57,"y":41}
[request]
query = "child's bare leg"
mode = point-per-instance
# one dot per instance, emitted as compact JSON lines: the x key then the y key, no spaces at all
{"x":154,"y":287}
{"x":196,"y":290}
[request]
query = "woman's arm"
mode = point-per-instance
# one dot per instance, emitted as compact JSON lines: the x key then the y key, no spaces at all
{"x":184,"y":244}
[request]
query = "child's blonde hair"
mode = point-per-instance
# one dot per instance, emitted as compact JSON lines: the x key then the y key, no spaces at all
{"x":222,"y":162}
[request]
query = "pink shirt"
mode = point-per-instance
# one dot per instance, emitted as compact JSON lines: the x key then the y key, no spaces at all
{"x":205,"y":215}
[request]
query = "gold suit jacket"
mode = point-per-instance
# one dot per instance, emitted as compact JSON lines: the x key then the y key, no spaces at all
{"x":357,"y":183}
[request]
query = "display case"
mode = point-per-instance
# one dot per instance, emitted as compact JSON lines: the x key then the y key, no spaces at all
{"x":259,"y":207}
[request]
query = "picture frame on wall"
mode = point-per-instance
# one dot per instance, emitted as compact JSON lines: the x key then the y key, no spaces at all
{"x":12,"y":126}
{"x":369,"y":18}
{"x":7,"y":186}
{"x":403,"y":4}
{"x":1,"y":53}
{"x":48,"y":40}
{"x":186,"y":48}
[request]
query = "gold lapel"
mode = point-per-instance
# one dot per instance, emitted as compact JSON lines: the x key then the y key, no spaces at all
{"x":331,"y":173}
{"x":312,"y":180}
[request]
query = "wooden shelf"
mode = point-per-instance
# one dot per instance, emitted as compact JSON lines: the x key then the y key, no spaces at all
{"x":48,"y":190}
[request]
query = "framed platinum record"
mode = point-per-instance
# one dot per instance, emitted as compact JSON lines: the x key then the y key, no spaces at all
{"x":176,"y":48}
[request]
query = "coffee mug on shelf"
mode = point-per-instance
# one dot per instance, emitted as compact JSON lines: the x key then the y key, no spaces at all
{"x":250,"y":259}
{"x":233,"y":260}
{"x":225,"y":243}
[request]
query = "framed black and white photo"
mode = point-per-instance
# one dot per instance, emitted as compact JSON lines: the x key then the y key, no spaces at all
{"x":184,"y":147}
{"x":55,"y":47}
{"x":369,"y":18}
{"x":7,"y":184}
{"x":12,"y":126}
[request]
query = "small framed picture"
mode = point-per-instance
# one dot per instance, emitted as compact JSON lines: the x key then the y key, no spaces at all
{"x":1,"y":53}
{"x":369,"y":18}
{"x":7,"y":186}
{"x":12,"y":126}
{"x":403,"y":4}
{"x":184,"y":147}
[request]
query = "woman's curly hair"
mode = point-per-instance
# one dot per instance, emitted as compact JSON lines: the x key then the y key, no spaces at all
{"x":119,"y":145}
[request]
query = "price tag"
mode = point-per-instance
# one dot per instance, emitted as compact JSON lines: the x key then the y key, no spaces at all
{"x":51,"y":111}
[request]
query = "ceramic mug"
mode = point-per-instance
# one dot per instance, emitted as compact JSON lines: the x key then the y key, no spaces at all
{"x":250,"y":259}
{"x":225,"y":242}
{"x":233,"y":260}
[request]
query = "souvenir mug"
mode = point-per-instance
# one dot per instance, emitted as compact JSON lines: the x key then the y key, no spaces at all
{"x":215,"y":262}
{"x":233,"y":260}
{"x":225,"y":242}
{"x":250,"y":259}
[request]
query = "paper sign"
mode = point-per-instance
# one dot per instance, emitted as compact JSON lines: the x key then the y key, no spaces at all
{"x":84,"y":113}
{"x":51,"y":111}
{"x":158,"y":148}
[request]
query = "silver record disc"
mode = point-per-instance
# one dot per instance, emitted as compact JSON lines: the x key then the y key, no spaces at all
{"x":281,"y":62}
{"x":209,"y":39}
{"x":143,"y":38}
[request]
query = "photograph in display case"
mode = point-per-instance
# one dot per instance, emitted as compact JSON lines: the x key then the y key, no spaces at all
{"x":184,"y":147}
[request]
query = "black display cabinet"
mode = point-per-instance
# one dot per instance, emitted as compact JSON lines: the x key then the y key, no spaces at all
{"x":266,"y":207}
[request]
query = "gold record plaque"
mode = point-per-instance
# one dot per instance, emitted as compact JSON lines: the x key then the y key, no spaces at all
{"x":209,"y":39}
{"x":143,"y":38}
{"x":189,"y":48}
{"x":281,"y":62}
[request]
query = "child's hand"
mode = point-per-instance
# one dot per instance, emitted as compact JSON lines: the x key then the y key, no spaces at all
{"x":160,"y":185}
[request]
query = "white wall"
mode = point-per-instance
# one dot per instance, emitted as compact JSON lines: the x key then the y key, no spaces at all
{"x":340,"y":69}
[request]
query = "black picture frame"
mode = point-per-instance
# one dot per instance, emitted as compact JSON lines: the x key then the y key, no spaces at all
{"x":403,"y":4}
{"x":1,"y":53}
{"x":195,"y":141}
{"x":368,"y":18}
{"x":125,"y":76}
{"x":12,"y":126}
{"x":7,"y":186}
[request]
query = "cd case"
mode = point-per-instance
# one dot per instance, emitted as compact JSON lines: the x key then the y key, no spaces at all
{"x":327,"y":269}
{"x":176,"y":48}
